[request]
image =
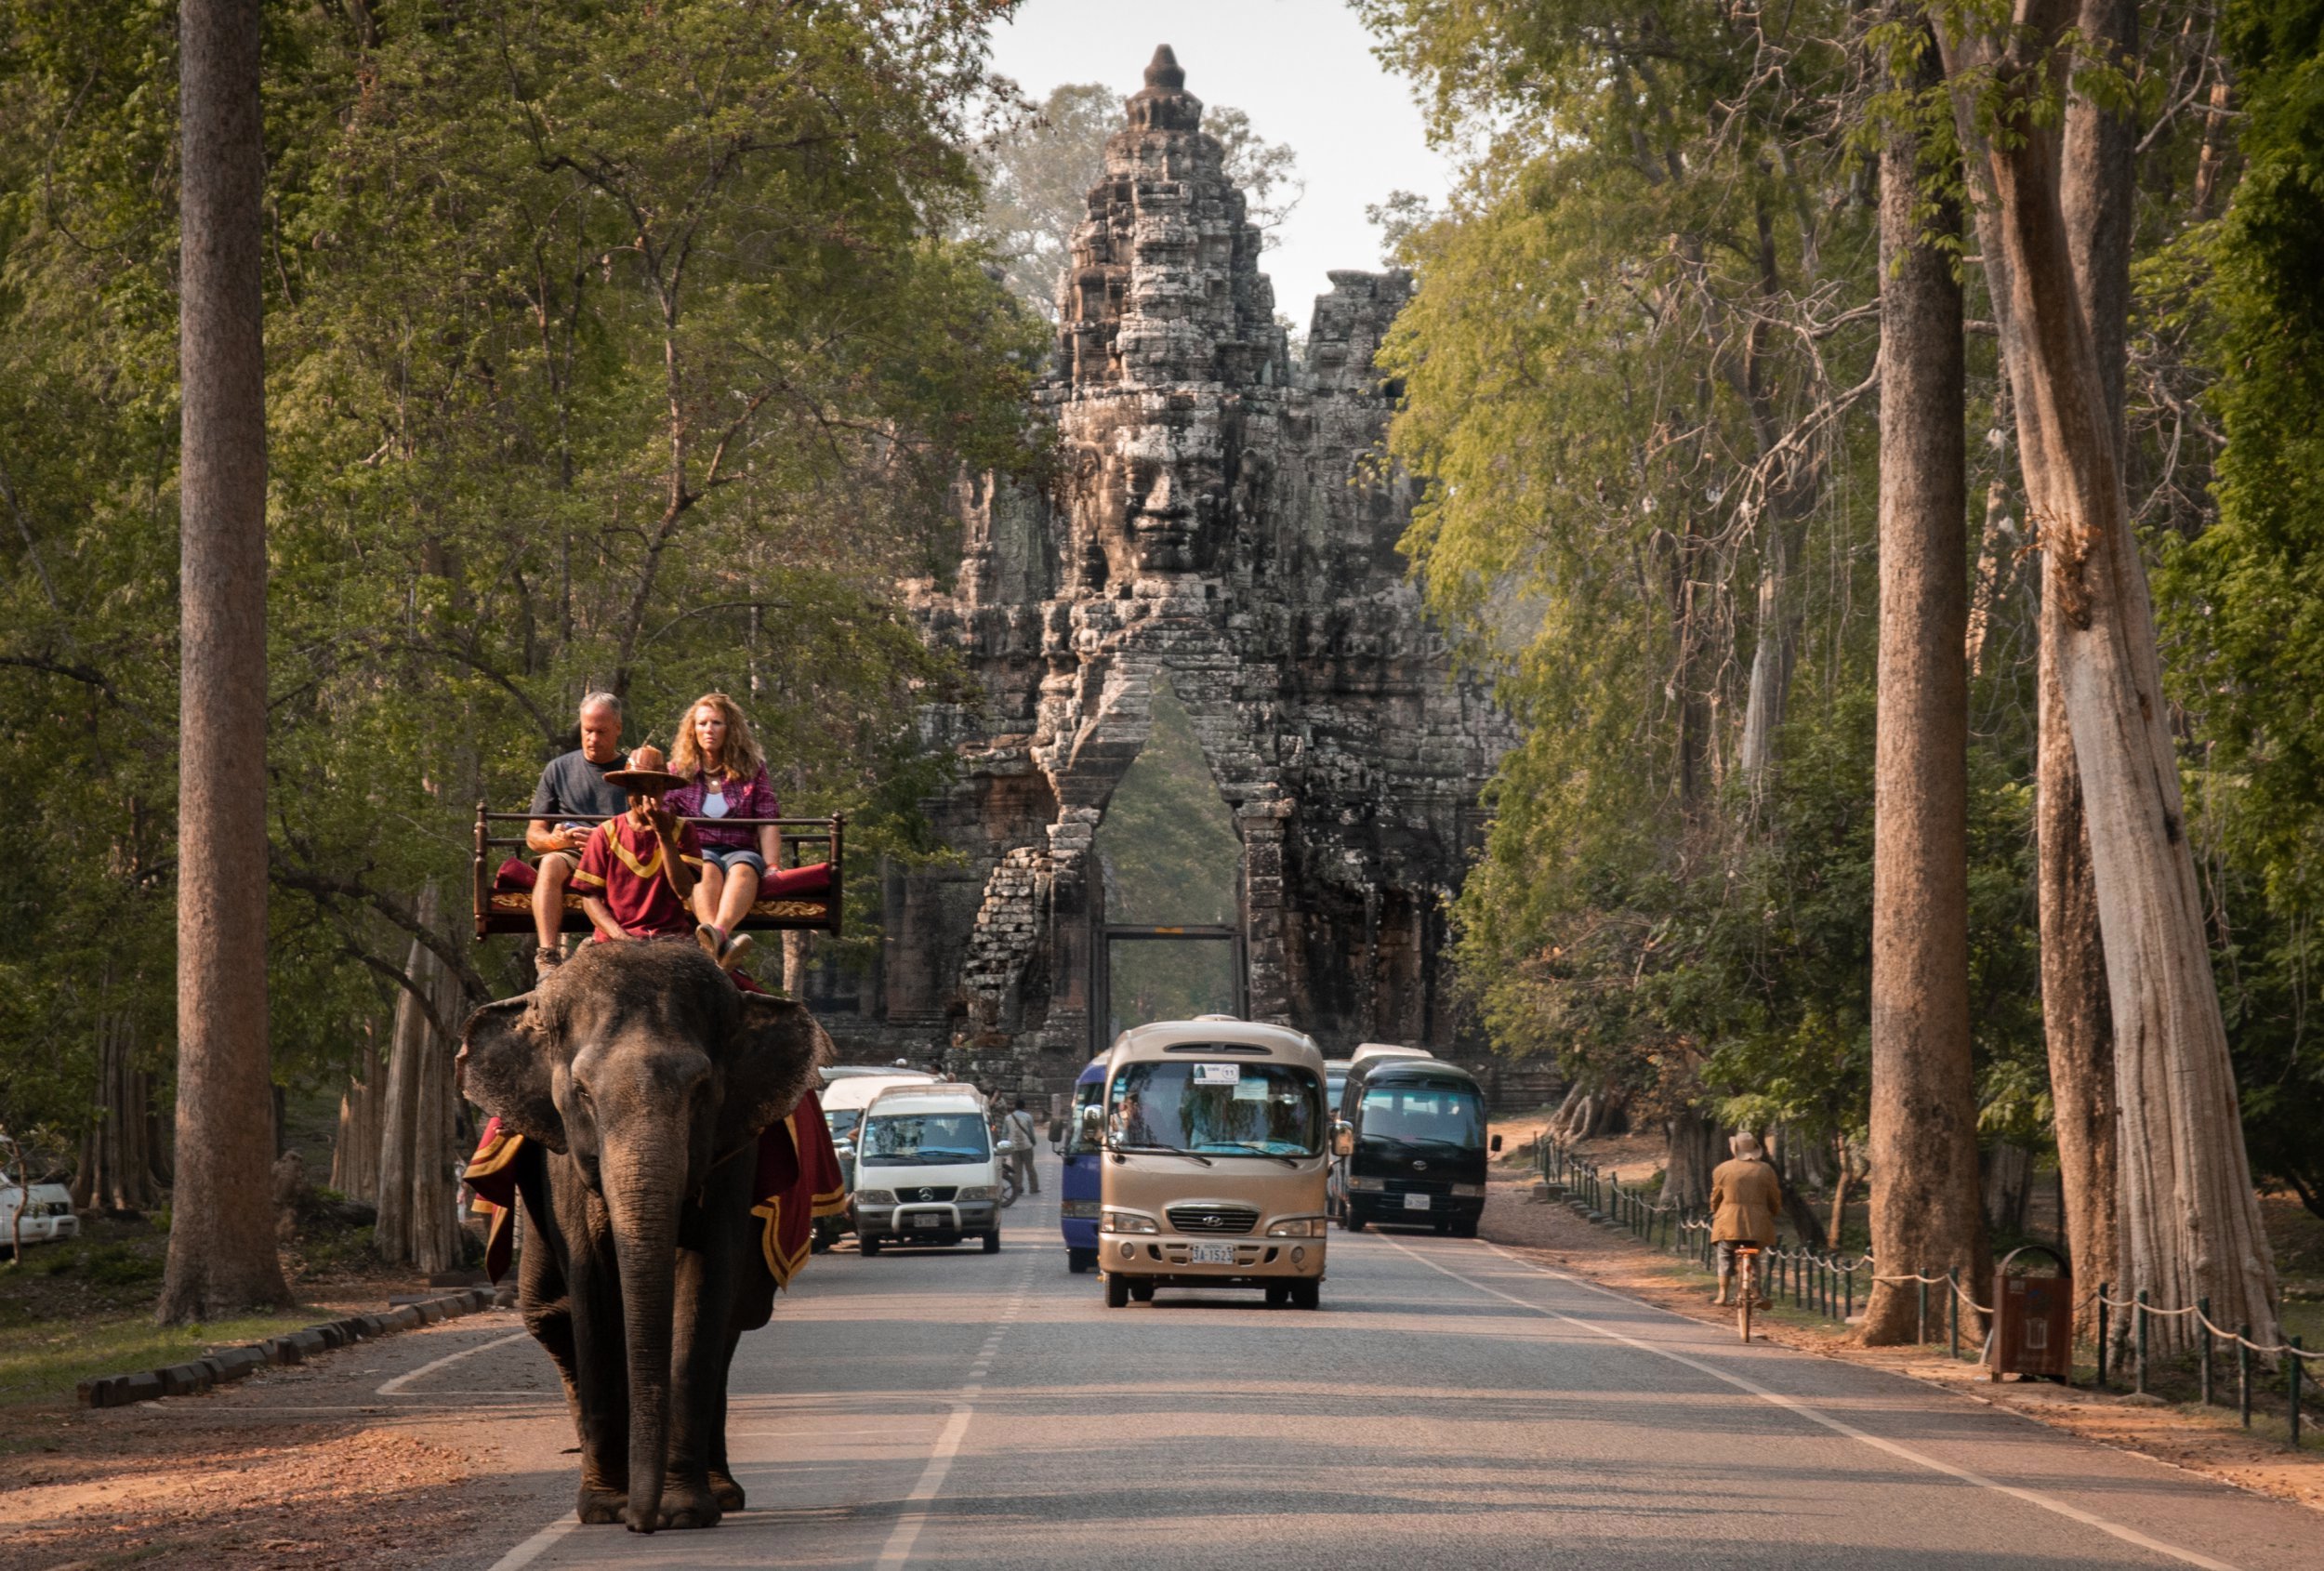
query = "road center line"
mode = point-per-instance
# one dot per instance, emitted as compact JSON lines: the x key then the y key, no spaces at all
{"x":898,"y":1549}
{"x":1792,"y":1404}
{"x":391,"y":1387}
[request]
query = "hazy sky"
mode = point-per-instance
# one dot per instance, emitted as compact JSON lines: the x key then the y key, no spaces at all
{"x":1302,"y":69}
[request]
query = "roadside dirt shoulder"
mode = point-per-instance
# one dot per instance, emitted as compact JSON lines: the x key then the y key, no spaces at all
{"x":2206,"y":1442}
{"x":293,"y":1468}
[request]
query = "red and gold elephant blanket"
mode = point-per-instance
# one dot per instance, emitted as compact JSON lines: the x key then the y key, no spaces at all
{"x":798,"y":1180}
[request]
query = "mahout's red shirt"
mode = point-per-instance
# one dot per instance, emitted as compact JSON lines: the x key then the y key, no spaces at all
{"x":621,"y":865}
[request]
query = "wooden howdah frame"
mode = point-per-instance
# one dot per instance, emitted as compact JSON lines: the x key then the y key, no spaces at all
{"x":812,"y":905}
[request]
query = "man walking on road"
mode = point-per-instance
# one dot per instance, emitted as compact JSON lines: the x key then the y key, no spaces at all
{"x":1744,"y":1197}
{"x":1017,"y":1126}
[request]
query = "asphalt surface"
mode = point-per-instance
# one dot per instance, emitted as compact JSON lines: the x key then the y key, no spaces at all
{"x":1449,"y":1406}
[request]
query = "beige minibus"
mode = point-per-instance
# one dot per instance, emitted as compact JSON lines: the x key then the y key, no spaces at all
{"x":1214,"y":1161}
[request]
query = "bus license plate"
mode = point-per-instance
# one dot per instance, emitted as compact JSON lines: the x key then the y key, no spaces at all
{"x":927,"y":1219}
{"x":1415,"y":1202}
{"x":1211,"y":1254}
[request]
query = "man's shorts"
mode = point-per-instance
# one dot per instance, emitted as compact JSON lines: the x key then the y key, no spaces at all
{"x":728,"y":858}
{"x":1724,"y":1251}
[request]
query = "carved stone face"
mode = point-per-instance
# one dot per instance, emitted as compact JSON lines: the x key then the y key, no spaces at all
{"x":1162,"y":508}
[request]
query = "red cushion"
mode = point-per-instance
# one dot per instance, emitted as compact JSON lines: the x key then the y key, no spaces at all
{"x":516,"y":877}
{"x":783,"y":883}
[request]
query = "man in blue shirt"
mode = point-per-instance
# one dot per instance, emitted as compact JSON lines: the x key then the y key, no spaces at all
{"x":573,"y":799}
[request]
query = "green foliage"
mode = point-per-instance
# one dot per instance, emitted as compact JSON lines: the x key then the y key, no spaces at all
{"x":608,"y":346}
{"x":1171,"y":856}
{"x":2244,"y":602}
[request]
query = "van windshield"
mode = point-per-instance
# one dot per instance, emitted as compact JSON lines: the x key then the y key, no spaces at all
{"x":924,"y":1140}
{"x":1215,"y":1109}
{"x":1430,"y":1115}
{"x":843,"y":1120}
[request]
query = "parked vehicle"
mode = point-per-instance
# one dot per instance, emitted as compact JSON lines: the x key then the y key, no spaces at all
{"x":1410,"y":1147}
{"x":1335,"y":1080}
{"x":1079,"y":1187}
{"x":1214,"y":1161}
{"x":844,"y":1103}
{"x":1367,"y":1051}
{"x":48,"y":1218}
{"x":926,"y":1171}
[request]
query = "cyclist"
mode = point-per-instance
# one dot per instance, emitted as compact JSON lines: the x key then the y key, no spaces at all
{"x":1744,"y":1197}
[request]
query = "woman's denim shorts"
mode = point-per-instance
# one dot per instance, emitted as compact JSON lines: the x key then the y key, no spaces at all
{"x":730,"y":857}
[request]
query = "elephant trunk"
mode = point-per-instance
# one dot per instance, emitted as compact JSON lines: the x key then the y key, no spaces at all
{"x":643,"y":1206}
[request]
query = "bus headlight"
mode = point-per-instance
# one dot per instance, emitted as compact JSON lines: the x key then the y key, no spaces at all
{"x":1079,"y":1211}
{"x":1469,"y":1190}
{"x":1127,"y":1221}
{"x":1367,"y":1185}
{"x":1297,"y":1227}
{"x":875,"y":1196}
{"x":978,"y":1192}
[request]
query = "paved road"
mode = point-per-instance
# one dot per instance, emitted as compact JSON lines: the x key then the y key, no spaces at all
{"x":1449,"y":1405}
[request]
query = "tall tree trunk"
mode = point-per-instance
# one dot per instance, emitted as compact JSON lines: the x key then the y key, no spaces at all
{"x":1925,"y":1212}
{"x":2190,"y":1220}
{"x":1691,"y":1151}
{"x":116,"y":1170}
{"x":2095,"y":200}
{"x":355,"y":1153}
{"x":400,"y":1133}
{"x":221,"y":1242}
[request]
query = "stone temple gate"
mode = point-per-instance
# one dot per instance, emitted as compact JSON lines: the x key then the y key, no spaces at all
{"x":1218,"y":520}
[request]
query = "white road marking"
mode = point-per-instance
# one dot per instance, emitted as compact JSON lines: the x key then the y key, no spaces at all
{"x":537,"y":1545}
{"x":898,"y":1550}
{"x":391,"y":1387}
{"x":1792,"y":1404}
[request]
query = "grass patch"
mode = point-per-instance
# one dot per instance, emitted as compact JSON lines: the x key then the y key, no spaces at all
{"x":43,"y":1361}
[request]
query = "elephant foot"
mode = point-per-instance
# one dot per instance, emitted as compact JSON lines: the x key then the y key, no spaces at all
{"x":599,"y":1507}
{"x":724,"y":1490}
{"x":689,"y":1505}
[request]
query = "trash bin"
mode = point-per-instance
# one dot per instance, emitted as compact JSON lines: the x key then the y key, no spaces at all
{"x":2033,"y":1332}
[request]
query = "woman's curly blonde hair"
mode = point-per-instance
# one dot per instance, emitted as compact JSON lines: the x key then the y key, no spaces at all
{"x":741,"y":761}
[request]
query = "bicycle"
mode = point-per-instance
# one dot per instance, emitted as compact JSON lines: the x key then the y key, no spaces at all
{"x":1747,"y":1281}
{"x":1008,"y":1184}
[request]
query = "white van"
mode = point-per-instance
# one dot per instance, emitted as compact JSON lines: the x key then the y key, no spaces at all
{"x":48,"y":1219}
{"x":926,"y":1171}
{"x":844,"y":1103}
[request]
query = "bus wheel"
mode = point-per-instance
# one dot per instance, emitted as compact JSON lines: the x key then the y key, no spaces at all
{"x":1307,"y":1295}
{"x":1352,"y":1218}
{"x":1079,"y":1260}
{"x":1143,"y":1292}
{"x":1465,"y":1229}
{"x":870,"y":1244}
{"x":992,"y":1243}
{"x":1277,"y":1296}
{"x":1117,"y":1290}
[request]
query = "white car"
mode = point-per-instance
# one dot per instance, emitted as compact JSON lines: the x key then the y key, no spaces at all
{"x":926,"y":1169}
{"x":48,"y":1219}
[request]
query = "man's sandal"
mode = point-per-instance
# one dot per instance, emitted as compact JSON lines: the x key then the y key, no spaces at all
{"x":737,"y":950}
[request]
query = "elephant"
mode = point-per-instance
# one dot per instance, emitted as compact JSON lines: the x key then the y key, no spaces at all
{"x":641,"y":1079}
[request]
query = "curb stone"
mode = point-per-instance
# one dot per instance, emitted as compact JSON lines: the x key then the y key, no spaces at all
{"x":227,"y":1365}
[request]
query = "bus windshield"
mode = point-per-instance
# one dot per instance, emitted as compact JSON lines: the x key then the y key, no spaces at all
{"x":925,"y":1140}
{"x":1430,"y":1115}
{"x":1079,"y":1142}
{"x":1215,"y":1109}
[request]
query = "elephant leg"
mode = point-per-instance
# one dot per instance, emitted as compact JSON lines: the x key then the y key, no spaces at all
{"x":754,"y":1305}
{"x":545,"y":1298}
{"x":599,"y":1379}
{"x":698,"y":1386}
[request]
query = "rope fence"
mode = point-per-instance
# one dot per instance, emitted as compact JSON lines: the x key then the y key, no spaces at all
{"x":1825,"y":1283}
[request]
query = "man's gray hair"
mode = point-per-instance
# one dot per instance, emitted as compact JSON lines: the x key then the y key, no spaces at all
{"x":599,"y":700}
{"x":1743,"y":1144}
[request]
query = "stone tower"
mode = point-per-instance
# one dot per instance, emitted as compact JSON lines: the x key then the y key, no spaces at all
{"x":1218,"y":518}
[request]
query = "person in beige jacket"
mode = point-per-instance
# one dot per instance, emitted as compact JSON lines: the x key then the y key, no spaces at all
{"x":1745,"y":1197}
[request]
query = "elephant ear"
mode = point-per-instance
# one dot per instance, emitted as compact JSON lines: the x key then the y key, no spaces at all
{"x":771,"y":1063}
{"x":505,"y":1052}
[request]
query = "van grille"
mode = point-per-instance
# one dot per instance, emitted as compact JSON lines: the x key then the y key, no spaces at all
{"x":1214,"y":1219}
{"x":933,"y":1194}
